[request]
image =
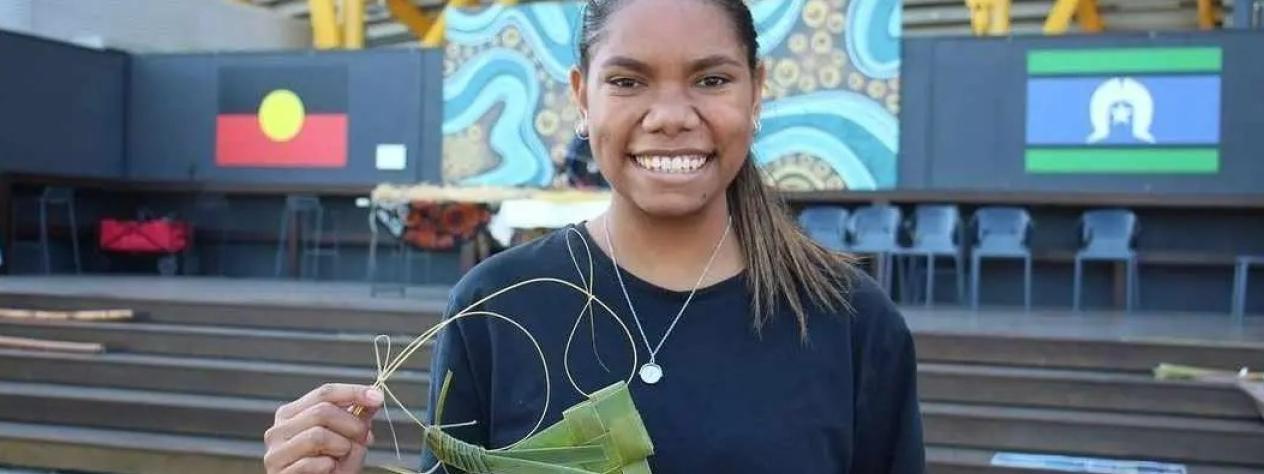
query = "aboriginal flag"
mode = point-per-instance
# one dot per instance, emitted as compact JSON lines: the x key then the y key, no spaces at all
{"x":282,"y":117}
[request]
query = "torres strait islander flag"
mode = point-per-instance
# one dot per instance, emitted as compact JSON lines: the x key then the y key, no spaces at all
{"x":1124,"y":111}
{"x":282,"y":117}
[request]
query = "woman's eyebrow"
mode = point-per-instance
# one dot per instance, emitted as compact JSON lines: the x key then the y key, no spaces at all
{"x":696,"y":65}
{"x":627,"y":63}
{"x":713,"y":61}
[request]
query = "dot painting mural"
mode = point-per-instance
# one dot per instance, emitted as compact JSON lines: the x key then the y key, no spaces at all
{"x":829,"y":116}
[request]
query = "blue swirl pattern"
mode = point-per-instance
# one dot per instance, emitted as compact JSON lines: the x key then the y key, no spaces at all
{"x":873,"y":37}
{"x":500,"y":76}
{"x":853,"y":133}
{"x":549,"y":28}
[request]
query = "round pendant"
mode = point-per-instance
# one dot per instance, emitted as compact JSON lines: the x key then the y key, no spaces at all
{"x":651,"y":373}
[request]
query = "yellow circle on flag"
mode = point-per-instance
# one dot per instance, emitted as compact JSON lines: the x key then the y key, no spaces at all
{"x":281,"y":115}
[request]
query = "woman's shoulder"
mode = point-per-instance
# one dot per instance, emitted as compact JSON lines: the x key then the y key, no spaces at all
{"x":873,"y":312}
{"x":547,"y":255}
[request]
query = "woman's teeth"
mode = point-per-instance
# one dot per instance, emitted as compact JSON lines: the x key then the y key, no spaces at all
{"x":672,"y":164}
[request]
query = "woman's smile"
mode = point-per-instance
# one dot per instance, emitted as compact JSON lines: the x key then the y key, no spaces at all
{"x":672,"y":165}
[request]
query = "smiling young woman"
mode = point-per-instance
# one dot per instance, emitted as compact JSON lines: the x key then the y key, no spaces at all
{"x":758,"y":350}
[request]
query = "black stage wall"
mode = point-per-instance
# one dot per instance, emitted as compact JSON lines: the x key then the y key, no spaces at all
{"x":963,"y":118}
{"x":391,"y":96}
{"x":62,"y":107}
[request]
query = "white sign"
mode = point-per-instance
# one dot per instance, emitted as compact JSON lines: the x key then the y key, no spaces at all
{"x":392,"y":157}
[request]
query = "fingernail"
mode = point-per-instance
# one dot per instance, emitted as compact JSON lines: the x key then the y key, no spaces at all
{"x":373,"y":395}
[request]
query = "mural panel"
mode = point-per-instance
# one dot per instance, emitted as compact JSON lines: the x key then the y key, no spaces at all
{"x":831,"y":101}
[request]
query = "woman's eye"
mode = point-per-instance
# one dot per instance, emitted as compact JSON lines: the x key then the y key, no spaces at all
{"x":623,"y":82}
{"x":713,"y":81}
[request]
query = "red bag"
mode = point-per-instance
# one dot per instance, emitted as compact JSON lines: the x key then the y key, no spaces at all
{"x":148,"y":236}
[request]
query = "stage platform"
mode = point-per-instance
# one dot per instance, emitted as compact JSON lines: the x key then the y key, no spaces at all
{"x":355,"y":296}
{"x":279,"y":292}
{"x":191,"y":384}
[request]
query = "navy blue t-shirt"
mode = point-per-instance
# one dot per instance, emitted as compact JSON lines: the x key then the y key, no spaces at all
{"x":731,"y":400}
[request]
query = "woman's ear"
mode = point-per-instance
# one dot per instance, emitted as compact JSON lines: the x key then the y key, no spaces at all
{"x":761,"y":75}
{"x":579,"y":91}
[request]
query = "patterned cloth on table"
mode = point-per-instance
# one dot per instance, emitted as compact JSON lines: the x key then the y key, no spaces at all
{"x":436,"y":226}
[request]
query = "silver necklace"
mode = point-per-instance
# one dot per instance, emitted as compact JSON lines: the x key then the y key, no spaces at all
{"x":651,"y":372}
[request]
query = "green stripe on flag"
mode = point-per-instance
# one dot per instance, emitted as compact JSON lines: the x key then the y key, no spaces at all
{"x":1118,"y":160}
{"x":1123,"y":60}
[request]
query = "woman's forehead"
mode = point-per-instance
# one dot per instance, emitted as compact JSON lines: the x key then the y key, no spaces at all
{"x":669,"y":31}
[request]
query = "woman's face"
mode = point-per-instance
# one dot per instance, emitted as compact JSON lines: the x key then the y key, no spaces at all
{"x":671,"y":103}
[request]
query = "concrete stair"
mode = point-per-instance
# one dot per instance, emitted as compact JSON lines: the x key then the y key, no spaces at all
{"x":179,"y":392}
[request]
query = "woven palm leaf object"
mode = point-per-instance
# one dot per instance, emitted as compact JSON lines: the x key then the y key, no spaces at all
{"x":603,"y":434}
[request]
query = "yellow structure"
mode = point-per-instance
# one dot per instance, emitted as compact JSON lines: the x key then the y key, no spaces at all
{"x":1084,"y":11}
{"x":339,"y":24}
{"x":324,"y":17}
{"x":989,"y":17}
{"x":353,"y":24}
{"x":1210,"y":14}
{"x":992,"y":17}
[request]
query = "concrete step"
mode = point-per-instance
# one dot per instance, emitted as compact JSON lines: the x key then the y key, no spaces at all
{"x":350,"y":349}
{"x":956,"y":460}
{"x":1081,"y":389}
{"x":164,"y":412}
{"x":1232,"y":443}
{"x":197,"y":375}
{"x":131,"y":452}
{"x":1138,"y":355}
{"x":311,"y":317}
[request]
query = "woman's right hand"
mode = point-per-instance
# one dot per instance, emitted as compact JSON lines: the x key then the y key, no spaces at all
{"x":318,"y":434}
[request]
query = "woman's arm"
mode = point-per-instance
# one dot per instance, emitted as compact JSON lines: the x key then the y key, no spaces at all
{"x":466,"y":399}
{"x":888,"y":417}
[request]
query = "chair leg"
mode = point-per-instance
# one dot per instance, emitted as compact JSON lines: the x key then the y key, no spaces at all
{"x":43,"y":222}
{"x":317,"y":243}
{"x":74,"y":235}
{"x":282,"y":236}
{"x":221,"y":251}
{"x":1027,"y":283}
{"x":1075,"y":286}
{"x":888,"y":261}
{"x":975,"y":263}
{"x":961,"y":279}
{"x":1134,"y":286}
{"x":906,"y":266}
{"x":901,"y":268}
{"x":408,"y":264}
{"x":930,"y":279}
{"x":1239,"y":291}
{"x":429,"y":278}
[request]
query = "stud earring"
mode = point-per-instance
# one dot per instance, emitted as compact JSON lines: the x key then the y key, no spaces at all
{"x":581,"y":128}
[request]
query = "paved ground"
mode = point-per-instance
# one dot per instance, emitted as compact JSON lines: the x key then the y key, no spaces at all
{"x":17,"y":470}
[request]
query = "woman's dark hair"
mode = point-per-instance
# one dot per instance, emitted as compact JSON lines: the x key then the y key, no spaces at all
{"x":783,"y":265}
{"x":597,"y":12}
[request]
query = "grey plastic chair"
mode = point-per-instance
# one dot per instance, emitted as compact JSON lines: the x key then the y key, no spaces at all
{"x":211,"y":213}
{"x":307,"y":214}
{"x":826,"y":225}
{"x":1001,"y":233}
{"x":58,"y":196}
{"x":1107,"y":235}
{"x":874,"y":230}
{"x":937,"y":233}
{"x":1240,"y":273}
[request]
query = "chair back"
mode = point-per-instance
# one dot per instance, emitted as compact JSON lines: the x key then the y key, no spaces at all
{"x":935,"y":228}
{"x":1002,"y":228}
{"x":1108,"y":231}
{"x":875,"y":228}
{"x":826,"y":225}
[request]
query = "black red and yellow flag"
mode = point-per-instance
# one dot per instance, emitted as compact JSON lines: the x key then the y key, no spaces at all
{"x":282,"y":117}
